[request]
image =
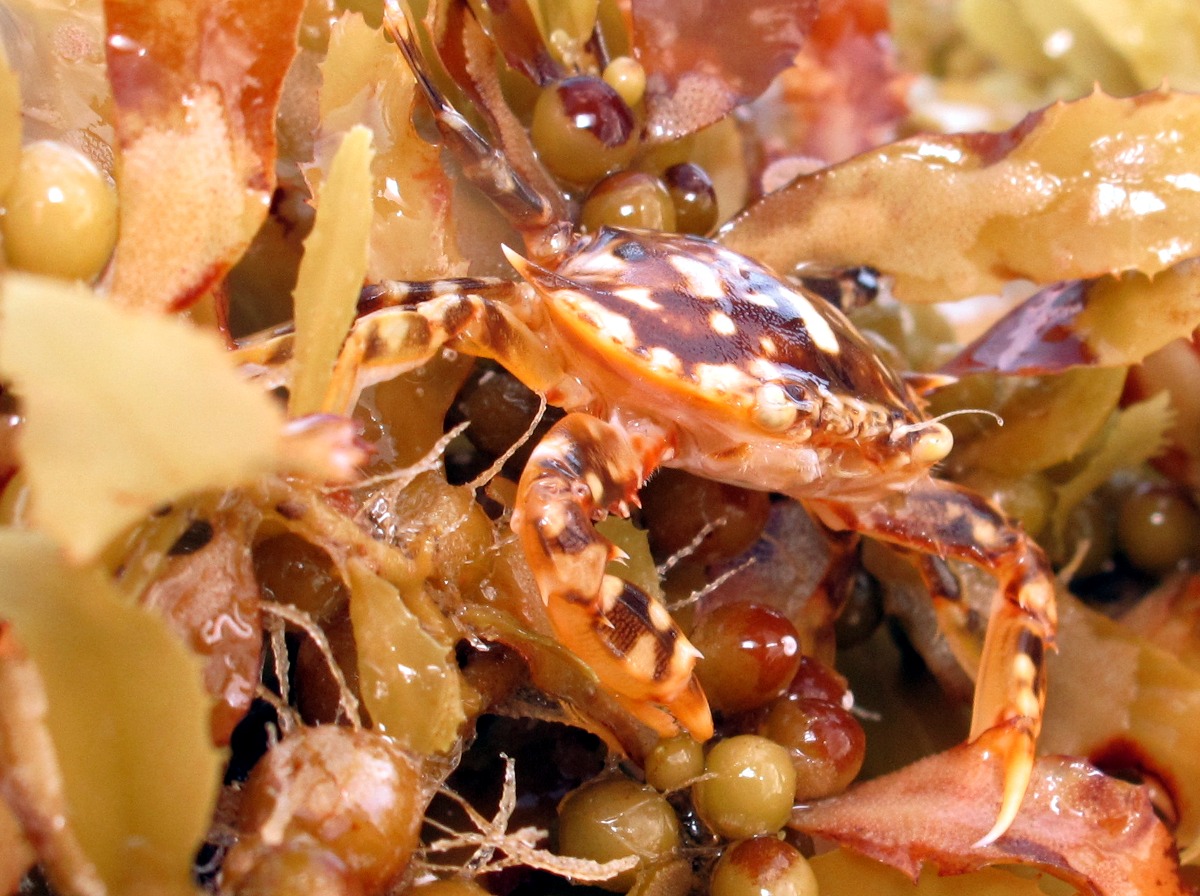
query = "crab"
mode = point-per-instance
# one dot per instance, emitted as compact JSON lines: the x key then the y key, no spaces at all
{"x":672,"y":351}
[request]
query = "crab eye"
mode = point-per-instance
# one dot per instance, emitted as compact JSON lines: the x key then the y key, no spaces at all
{"x":774,"y":411}
{"x":933,"y":443}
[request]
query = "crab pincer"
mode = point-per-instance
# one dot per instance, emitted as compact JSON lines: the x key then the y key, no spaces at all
{"x":581,"y":468}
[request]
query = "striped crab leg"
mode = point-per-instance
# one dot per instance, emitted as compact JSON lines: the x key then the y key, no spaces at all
{"x":582,"y":469}
{"x":486,"y":320}
{"x":940,"y":519}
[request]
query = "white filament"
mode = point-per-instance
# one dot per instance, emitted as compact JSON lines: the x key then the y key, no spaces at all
{"x":901,"y":431}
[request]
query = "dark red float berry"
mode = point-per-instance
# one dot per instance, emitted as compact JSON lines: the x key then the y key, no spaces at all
{"x":695,"y":199}
{"x":583,"y":130}
{"x":751,"y":654}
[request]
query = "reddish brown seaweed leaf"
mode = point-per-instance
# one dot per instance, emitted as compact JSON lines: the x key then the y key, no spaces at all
{"x":511,"y":26}
{"x":1097,"y":833}
{"x":1108,"y":322}
{"x":196,"y":86}
{"x":693,"y":79}
{"x":846,"y":92}
{"x":208,"y":594}
{"x":1036,"y":337}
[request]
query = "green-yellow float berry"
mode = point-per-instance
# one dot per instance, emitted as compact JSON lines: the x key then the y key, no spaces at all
{"x":751,"y":653}
{"x":626,"y":76}
{"x":629,"y":199}
{"x":748,"y":787}
{"x":674,"y":762}
{"x":60,"y":214}
{"x":694,"y":197}
{"x":583,"y":130}
{"x":1157,"y":528}
{"x":616,"y":817}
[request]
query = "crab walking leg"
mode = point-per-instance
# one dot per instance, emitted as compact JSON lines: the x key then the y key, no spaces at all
{"x":538,"y":214}
{"x":399,"y":338}
{"x":940,"y":518}
{"x":390,"y":293}
{"x":582,"y":469}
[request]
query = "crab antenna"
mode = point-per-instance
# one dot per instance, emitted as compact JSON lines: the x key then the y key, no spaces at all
{"x":924,"y":424}
{"x":532,"y":214}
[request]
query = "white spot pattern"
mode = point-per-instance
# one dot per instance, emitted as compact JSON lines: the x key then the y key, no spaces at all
{"x":701,"y":280}
{"x":722,"y":323}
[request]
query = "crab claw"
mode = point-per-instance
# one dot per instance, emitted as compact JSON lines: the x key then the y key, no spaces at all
{"x":582,"y":468}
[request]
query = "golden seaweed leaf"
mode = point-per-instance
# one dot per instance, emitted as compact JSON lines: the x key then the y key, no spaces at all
{"x":126,"y":412}
{"x":127,"y":714}
{"x":1078,"y":190}
{"x":332,"y":270}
